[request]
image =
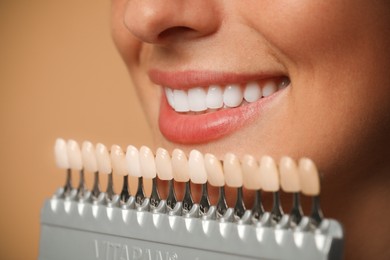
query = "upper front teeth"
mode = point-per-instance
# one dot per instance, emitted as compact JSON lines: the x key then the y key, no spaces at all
{"x":200,"y":99}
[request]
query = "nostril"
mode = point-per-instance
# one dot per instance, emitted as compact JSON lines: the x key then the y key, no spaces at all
{"x":177,"y":31}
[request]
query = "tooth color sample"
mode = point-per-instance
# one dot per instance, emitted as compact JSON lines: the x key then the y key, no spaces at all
{"x":197,"y":170}
{"x":103,"y":159}
{"x":289,"y":176}
{"x":132,"y":160}
{"x":74,"y":155}
{"x":147,"y":163}
{"x":232,"y":169}
{"x":89,"y":157}
{"x":250,"y":173}
{"x":61,"y":154}
{"x":269,"y":174}
{"x":163,"y":165}
{"x":180,"y":166}
{"x":118,"y":160}
{"x":214,"y":170}
{"x":309,"y":177}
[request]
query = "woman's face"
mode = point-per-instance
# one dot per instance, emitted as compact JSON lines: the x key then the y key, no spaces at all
{"x":323,"y":67}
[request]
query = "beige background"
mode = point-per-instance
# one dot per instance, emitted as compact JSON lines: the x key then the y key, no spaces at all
{"x":60,"y":76}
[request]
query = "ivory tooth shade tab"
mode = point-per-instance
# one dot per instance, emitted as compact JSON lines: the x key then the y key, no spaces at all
{"x":269,"y":174}
{"x":180,"y":166}
{"x":214,"y":170}
{"x":119,"y":167}
{"x":103,"y":159}
{"x":289,"y":182}
{"x":309,"y":177}
{"x":163,"y":165}
{"x":90,"y":164}
{"x":61,"y":154}
{"x":289,"y":176}
{"x":89,"y":157}
{"x":250,"y":173}
{"x":232,"y":170}
{"x":197,"y":168}
{"x":147,"y":162}
{"x":118,"y":160}
{"x":74,"y":155}
{"x":133,"y":162}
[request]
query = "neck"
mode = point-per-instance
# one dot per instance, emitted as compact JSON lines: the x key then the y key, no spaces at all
{"x":361,"y":203}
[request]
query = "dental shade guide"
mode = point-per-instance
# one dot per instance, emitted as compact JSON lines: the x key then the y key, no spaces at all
{"x":165,"y":228}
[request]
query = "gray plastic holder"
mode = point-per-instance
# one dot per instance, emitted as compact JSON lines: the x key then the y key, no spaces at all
{"x":84,"y":229}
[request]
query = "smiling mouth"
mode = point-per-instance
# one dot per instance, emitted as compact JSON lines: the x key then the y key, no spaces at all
{"x":199,"y":107}
{"x":216,"y":97}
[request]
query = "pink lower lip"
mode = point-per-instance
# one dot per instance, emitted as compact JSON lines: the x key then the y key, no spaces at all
{"x":201,"y":128}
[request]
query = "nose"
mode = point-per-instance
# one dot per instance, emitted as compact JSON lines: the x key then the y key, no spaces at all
{"x":162,"y":21}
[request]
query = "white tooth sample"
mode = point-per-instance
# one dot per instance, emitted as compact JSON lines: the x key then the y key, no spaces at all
{"x":74,"y":155}
{"x":232,"y":96}
{"x":309,"y":177}
{"x":214,"y":170}
{"x":268,"y":88}
{"x":180,"y":166}
{"x":132,"y":161}
{"x":169,"y":95}
{"x":163,"y":165}
{"x":118,"y":160}
{"x":232,"y":170}
{"x":197,"y":99}
{"x":214,"y":98}
{"x":289,"y":176}
{"x":252,"y":92}
{"x":180,"y":98}
{"x":61,"y":154}
{"x":89,"y":157}
{"x":269,"y":174}
{"x":197,"y":170}
{"x":250,"y":173}
{"x":103,"y":159}
{"x":147,"y":163}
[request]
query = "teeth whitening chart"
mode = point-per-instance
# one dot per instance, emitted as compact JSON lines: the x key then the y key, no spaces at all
{"x":94,"y":222}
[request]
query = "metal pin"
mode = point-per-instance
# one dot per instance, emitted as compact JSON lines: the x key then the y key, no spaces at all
{"x":188,"y":202}
{"x":316,"y":212}
{"x":125,"y":195}
{"x":68,"y":183}
{"x":277,"y":211}
{"x":96,"y":186}
{"x":140,"y":195}
{"x":296,"y":211}
{"x":258,"y":209}
{"x":171,"y":199}
{"x":155,"y":196}
{"x":221,"y":204}
{"x":82,"y":188}
{"x":204,"y":203}
{"x":110,"y":187}
{"x":239,"y":208}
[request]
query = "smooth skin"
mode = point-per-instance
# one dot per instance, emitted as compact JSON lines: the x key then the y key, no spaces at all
{"x":335,"y":111}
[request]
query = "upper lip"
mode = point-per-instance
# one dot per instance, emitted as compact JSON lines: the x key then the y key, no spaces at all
{"x":197,"y":78}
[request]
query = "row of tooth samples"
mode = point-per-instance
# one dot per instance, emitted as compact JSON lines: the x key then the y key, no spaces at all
{"x":262,"y":176}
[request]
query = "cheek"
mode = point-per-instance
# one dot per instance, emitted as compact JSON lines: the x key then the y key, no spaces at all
{"x":306,"y":30}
